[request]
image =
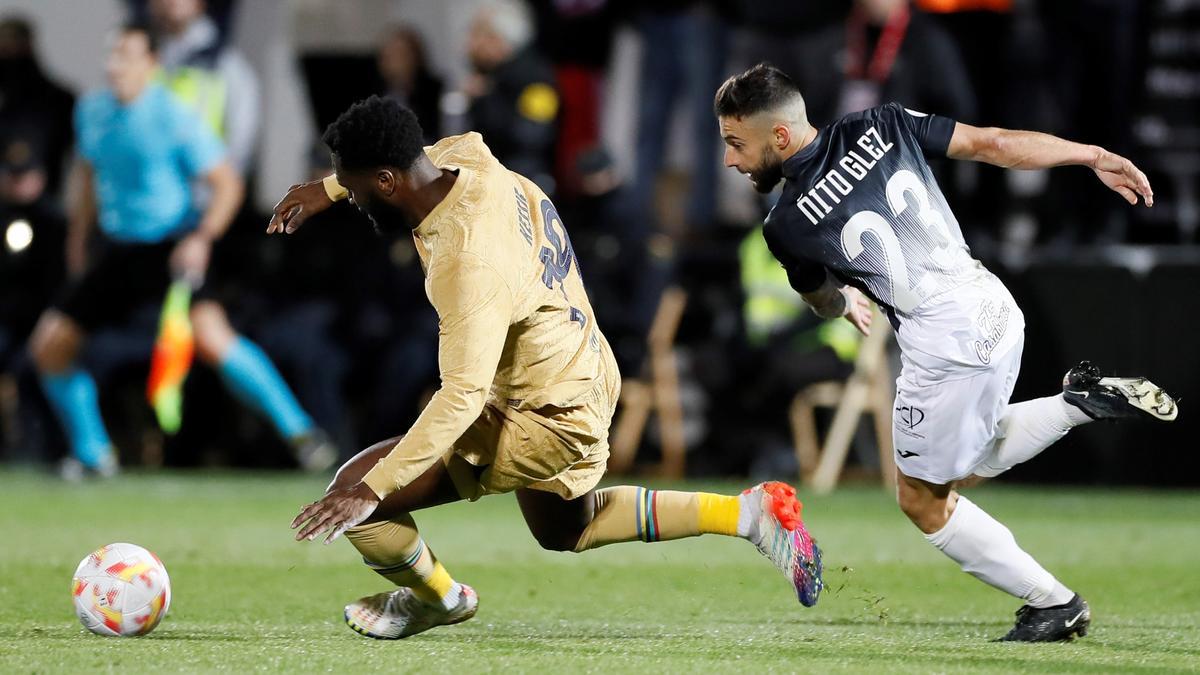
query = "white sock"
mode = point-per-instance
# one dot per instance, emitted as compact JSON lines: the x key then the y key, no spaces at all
{"x":986,"y":550}
{"x":749,"y":506}
{"x":450,"y":600}
{"x":1027,"y":428}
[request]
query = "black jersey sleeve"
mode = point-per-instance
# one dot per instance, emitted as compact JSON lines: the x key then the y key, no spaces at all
{"x":804,"y":275}
{"x":932,"y":132}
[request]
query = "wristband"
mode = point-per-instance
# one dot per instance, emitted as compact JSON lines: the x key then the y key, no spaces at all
{"x":334,"y":189}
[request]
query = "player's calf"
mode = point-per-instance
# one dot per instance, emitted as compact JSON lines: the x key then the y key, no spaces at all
{"x":768,"y":515}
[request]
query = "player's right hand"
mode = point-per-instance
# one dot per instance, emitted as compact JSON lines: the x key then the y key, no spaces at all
{"x":858,"y":309}
{"x":339,"y":510}
{"x":301,"y":202}
{"x":1122,"y":177}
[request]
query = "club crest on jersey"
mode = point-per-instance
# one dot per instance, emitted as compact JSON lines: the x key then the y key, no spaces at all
{"x":834,"y":184}
{"x":994,"y":324}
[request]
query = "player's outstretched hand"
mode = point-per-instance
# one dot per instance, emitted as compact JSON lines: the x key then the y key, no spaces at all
{"x":339,"y":510}
{"x":1122,"y":177}
{"x":858,"y":311}
{"x":301,"y":202}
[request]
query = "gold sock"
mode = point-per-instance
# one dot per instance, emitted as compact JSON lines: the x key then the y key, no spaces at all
{"x":628,"y":513}
{"x":395,"y":550}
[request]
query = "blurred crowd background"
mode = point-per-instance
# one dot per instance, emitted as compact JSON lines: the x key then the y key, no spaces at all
{"x":608,"y":105}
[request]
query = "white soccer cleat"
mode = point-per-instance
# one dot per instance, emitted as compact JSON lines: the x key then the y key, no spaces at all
{"x":779,"y":533}
{"x":399,"y":614}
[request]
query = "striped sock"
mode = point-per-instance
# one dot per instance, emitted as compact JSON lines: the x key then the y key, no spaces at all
{"x":396,"y":552}
{"x":630,"y":513}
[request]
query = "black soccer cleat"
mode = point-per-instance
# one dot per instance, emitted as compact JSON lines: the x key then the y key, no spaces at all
{"x":1051,"y":624}
{"x":1112,"y":398}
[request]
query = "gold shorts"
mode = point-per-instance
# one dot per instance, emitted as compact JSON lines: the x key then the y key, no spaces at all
{"x":559,"y":450}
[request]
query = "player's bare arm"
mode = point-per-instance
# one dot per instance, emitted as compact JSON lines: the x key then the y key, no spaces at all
{"x":81,"y":216}
{"x":1033,"y":150}
{"x":832,"y":301}
{"x":192,"y":254}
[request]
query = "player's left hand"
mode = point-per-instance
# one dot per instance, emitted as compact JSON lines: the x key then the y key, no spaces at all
{"x":191,"y":255}
{"x":858,"y":310}
{"x":1122,"y":177}
{"x":339,"y":510}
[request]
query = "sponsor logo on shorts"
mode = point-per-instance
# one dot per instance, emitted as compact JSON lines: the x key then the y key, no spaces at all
{"x":993,"y":323}
{"x":907,"y":454}
{"x":909,"y":416}
{"x":907,"y":419}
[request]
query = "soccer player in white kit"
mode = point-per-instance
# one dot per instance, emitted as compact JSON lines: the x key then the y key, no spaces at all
{"x":861,"y":216}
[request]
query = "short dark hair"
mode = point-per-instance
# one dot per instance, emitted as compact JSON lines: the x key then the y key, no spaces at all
{"x":763,"y":87}
{"x":18,"y":28}
{"x":143,"y":27}
{"x":376,"y":132}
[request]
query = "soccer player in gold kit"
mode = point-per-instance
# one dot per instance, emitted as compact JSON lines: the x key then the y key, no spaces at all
{"x":529,"y":384}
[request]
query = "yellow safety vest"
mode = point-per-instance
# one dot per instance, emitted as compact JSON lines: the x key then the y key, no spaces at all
{"x":202,"y":90}
{"x":772,"y":303}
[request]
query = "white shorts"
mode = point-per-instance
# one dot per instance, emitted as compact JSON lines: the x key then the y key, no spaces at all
{"x":946,"y":417}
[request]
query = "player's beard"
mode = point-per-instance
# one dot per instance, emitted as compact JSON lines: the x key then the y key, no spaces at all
{"x":389,"y":220}
{"x":767,"y":175}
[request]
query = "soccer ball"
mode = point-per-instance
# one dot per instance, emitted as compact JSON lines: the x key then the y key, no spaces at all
{"x":121,"y":590}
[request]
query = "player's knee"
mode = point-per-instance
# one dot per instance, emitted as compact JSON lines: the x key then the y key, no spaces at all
{"x":54,"y":344}
{"x":212,"y":332}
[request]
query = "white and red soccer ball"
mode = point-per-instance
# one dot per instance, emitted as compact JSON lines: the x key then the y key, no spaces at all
{"x":121,"y":590}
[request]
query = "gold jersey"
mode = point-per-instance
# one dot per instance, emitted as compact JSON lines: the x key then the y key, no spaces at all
{"x":515,"y":325}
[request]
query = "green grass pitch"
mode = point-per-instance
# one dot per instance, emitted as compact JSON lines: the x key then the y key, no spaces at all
{"x":248,"y":598}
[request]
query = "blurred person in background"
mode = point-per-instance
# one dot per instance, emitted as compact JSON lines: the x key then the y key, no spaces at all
{"x":140,"y":152}
{"x":31,"y":101}
{"x":609,"y":245}
{"x":31,"y":261}
{"x":684,"y":47}
{"x":778,"y":322}
{"x":407,"y":78}
{"x":209,"y":76}
{"x":31,"y":268}
{"x":514,"y":102}
{"x":885,"y":50}
{"x":577,"y":37}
